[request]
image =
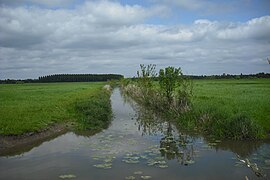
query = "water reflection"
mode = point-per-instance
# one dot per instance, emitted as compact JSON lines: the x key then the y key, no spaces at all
{"x":25,"y":145}
{"x":173,"y":144}
{"x":243,"y":148}
{"x":136,"y":141}
{"x":181,"y":146}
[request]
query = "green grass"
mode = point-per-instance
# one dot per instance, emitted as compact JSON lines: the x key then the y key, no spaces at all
{"x":225,"y":109}
{"x":31,"y":107}
{"x":94,"y":112}
{"x":233,"y":97}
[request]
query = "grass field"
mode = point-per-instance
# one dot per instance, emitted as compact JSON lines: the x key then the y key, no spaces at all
{"x":31,"y":107}
{"x":223,"y":108}
{"x":230,"y":97}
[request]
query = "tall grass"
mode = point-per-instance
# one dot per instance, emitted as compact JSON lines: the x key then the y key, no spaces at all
{"x":233,"y":109}
{"x":94,"y":112}
{"x":250,"y":97}
{"x":32,"y":107}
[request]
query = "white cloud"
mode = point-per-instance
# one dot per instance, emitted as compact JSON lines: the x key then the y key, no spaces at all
{"x":202,"y":6}
{"x":257,"y":28}
{"x":108,"y":37}
{"x":45,"y":3}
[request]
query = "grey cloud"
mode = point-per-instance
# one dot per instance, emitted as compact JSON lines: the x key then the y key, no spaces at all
{"x":45,"y":3}
{"x":113,"y":38}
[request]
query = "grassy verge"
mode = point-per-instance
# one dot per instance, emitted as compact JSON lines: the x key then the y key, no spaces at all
{"x":232,"y":109}
{"x":236,"y":109}
{"x":231,"y":97}
{"x":94,"y":112}
{"x":32,"y":107}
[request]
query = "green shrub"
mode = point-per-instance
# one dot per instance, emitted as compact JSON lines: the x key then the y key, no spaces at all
{"x":94,"y":112}
{"x":241,"y":127}
{"x":237,"y":127}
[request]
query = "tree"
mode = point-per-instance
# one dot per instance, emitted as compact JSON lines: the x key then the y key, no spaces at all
{"x":169,"y":79}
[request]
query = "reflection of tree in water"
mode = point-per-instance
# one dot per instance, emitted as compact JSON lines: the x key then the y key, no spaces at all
{"x":149,"y":124}
{"x":180,"y":148}
{"x":174,"y":145}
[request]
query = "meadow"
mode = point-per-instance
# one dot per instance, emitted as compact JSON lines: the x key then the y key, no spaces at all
{"x":32,"y":107}
{"x":223,"y":108}
{"x":250,"y":97}
{"x":220,"y":104}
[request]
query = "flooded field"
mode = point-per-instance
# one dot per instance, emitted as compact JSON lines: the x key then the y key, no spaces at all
{"x":137,"y":145}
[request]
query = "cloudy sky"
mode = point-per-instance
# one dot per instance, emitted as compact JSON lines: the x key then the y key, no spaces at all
{"x":41,"y":37}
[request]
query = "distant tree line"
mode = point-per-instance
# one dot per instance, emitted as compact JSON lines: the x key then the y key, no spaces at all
{"x":231,"y":76}
{"x":79,"y":77}
{"x":225,"y":76}
{"x":106,"y":77}
{"x":66,"y":78}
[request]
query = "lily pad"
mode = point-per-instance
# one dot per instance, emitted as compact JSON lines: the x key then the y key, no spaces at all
{"x":143,"y":157}
{"x":161,"y":162}
{"x":147,"y":151}
{"x":151,"y":162}
{"x":104,"y":166}
{"x":162,"y":149}
{"x":130,"y":178}
{"x":163,"y":166}
{"x":138,"y":172}
{"x":67,"y":176}
{"x":146,"y":177}
{"x":107,"y":160}
{"x":212,"y":144}
{"x":130,"y":161}
{"x":190,"y":162}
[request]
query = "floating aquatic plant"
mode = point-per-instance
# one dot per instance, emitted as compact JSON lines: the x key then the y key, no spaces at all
{"x":67,"y":176}
{"x":190,"y":162}
{"x":130,"y":178}
{"x":146,"y":177}
{"x":130,"y":161}
{"x":212,"y":144}
{"x":143,"y":157}
{"x":104,"y":166}
{"x":163,"y":166}
{"x":160,"y":164}
{"x":138,"y":172}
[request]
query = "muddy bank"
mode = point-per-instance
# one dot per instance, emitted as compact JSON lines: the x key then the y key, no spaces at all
{"x":17,"y":144}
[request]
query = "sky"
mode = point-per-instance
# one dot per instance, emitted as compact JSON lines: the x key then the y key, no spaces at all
{"x":203,"y":37}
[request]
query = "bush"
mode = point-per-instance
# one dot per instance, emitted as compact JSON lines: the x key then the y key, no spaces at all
{"x":237,"y":127}
{"x":95,"y":112}
{"x":241,"y":127}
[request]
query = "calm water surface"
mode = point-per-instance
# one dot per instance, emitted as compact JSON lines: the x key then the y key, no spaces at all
{"x":137,"y":145}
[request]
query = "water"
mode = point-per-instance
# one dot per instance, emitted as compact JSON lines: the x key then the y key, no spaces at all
{"x":136,"y":145}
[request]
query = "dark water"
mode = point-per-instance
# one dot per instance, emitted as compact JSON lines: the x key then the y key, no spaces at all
{"x":137,"y":145}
